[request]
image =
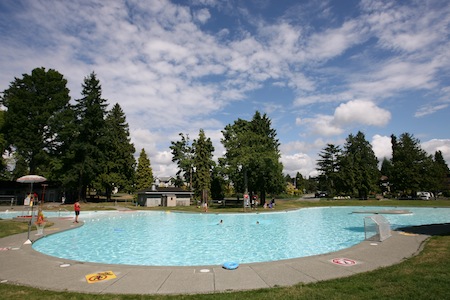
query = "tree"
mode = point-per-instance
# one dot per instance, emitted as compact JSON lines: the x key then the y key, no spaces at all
{"x":36,"y":105}
{"x":144,"y":172}
{"x":409,"y":163}
{"x":299,"y":182}
{"x":86,"y":156}
{"x":252,"y":156}
{"x":361,"y":163}
{"x":3,"y":165}
{"x":118,"y":169}
{"x":218,"y":184}
{"x":183,"y":155}
{"x":440,"y":171}
{"x":202,"y":161}
{"x":329,"y":166}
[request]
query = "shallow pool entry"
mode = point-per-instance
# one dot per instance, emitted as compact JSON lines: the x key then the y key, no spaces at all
{"x":183,"y":239}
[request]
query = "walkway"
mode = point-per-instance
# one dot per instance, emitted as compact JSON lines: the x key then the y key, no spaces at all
{"x":22,"y":265}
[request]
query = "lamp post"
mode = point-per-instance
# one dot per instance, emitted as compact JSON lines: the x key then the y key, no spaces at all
{"x":246,"y":196}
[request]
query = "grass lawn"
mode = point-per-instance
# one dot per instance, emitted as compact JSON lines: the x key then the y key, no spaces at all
{"x":425,"y":276}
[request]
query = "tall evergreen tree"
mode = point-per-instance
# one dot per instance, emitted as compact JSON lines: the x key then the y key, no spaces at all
{"x":118,"y":169}
{"x":86,"y":156}
{"x":144,"y":172}
{"x":203,"y":164}
{"x":328,"y":166}
{"x":183,"y":155}
{"x":362,"y":162}
{"x":409,"y":161}
{"x":440,"y":172}
{"x":36,"y":104}
{"x":299,"y":182}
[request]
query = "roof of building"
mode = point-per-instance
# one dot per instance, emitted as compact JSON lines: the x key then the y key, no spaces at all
{"x":164,"y":190}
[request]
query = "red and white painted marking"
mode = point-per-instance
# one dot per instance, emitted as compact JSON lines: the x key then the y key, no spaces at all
{"x":344,"y":261}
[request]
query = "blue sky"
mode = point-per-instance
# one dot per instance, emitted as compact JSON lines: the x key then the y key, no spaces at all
{"x":321,"y":70}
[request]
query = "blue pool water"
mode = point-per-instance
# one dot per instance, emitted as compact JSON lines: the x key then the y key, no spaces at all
{"x":184,"y":239}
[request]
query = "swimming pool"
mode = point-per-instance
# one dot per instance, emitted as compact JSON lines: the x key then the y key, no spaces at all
{"x":185,"y":239}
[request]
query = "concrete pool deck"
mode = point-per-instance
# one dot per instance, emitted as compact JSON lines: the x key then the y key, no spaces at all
{"x":20,"y":264}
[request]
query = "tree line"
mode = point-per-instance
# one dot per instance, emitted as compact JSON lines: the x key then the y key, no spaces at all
{"x":251,"y":164}
{"x":83,"y":145}
{"x":353,"y":170}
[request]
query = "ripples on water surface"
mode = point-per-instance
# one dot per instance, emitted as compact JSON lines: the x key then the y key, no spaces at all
{"x":184,"y":239}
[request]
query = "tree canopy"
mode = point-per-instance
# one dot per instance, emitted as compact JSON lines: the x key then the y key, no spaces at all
{"x":252,"y":156}
{"x":36,"y":104}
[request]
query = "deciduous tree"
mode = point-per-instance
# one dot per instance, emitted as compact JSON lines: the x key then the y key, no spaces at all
{"x":36,"y":105}
{"x":252,"y":156}
{"x":183,"y":155}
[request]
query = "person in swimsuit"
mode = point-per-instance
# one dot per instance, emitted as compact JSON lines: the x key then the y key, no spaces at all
{"x":76,"y":208}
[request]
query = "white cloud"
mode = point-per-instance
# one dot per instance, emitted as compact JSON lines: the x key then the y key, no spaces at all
{"x":382,"y":147}
{"x":429,"y":109}
{"x":298,"y":162}
{"x":335,"y":41}
{"x":361,"y":112}
{"x":324,"y":125}
{"x":202,"y":15}
{"x":434,"y":145}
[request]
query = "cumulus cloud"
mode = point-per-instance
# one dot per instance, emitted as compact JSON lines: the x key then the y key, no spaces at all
{"x":346,"y":115}
{"x":361,"y":112}
{"x":434,"y":145}
{"x":298,"y":162}
{"x":382,"y":147}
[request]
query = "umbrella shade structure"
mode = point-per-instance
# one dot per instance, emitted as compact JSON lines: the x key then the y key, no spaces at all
{"x":31,"y":179}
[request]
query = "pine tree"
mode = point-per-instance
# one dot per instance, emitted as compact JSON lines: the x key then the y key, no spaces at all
{"x":362,"y":162}
{"x":118,"y":169}
{"x":328,"y":166}
{"x":144,"y":172}
{"x":409,"y":163}
{"x":86,"y":156}
{"x":203,"y":164}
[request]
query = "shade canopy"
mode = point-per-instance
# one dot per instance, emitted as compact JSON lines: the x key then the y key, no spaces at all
{"x":31,"y":179}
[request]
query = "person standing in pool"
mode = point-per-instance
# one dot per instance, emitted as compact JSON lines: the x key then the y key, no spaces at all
{"x":76,"y":208}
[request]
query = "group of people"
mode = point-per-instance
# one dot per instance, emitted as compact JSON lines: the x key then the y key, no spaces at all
{"x":270,"y":205}
{"x":30,"y":199}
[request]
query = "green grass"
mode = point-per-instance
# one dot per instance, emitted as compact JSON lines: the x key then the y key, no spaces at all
{"x":425,"y":276}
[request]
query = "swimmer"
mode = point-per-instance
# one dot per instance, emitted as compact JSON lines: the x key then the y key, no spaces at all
{"x":221,"y":222}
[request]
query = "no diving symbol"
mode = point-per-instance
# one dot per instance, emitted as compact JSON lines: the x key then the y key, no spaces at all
{"x":101,"y":276}
{"x":343,"y":261}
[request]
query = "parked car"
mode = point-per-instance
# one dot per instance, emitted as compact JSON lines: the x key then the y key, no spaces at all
{"x":321,"y":194}
{"x":424,"y":195}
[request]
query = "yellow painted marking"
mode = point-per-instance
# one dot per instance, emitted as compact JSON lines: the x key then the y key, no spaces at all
{"x":100,"y":276}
